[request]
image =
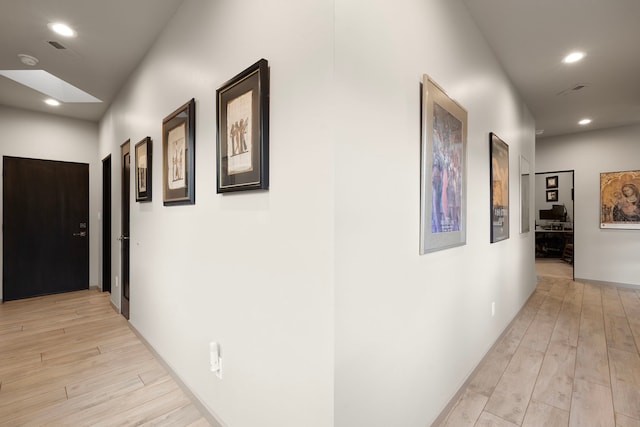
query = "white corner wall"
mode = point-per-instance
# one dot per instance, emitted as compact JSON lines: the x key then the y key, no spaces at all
{"x":325,"y":312}
{"x":251,"y":270}
{"x":411,"y":328}
{"x":47,"y":137}
{"x":599,"y":255}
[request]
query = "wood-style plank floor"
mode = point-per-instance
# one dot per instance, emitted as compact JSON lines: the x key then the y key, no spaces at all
{"x":570,"y":358}
{"x":71,"y":360}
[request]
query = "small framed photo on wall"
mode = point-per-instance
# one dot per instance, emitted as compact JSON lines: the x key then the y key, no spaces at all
{"x":552,"y":181}
{"x":552,"y":195}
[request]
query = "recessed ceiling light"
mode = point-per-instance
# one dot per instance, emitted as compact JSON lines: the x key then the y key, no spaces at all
{"x":584,"y":122}
{"x":62,"y":29}
{"x":51,"y":102}
{"x":539,"y":131}
{"x":573,"y":57}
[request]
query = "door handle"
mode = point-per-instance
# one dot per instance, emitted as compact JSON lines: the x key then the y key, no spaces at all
{"x":122,"y":237}
{"x":80,"y":234}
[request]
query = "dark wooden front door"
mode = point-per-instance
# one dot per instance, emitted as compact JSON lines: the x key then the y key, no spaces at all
{"x":124,"y":236}
{"x":46,"y":227}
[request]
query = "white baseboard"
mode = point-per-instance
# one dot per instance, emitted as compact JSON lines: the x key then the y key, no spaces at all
{"x":206,"y":413}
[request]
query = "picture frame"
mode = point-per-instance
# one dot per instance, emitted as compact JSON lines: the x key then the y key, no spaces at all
{"x":144,"y":163}
{"x":443,"y":171}
{"x":243,"y":131}
{"x":499,"y":188}
{"x":552,"y":181}
{"x":620,"y":200}
{"x":525,"y":195}
{"x":552,"y":195}
{"x":178,"y":156}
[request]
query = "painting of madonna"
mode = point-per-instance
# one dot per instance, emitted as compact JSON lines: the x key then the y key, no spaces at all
{"x":620,"y":200}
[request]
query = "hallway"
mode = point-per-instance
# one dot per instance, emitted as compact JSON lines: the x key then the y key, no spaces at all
{"x":570,"y":358}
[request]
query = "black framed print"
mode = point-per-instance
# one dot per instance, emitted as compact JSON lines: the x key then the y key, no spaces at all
{"x":499,"y":188}
{"x":552,"y":195}
{"x":144,"y":176}
{"x":552,"y":181}
{"x":243,"y":131}
{"x":178,"y":151}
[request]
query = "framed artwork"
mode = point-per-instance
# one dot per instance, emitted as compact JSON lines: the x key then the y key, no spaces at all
{"x":552,"y":195}
{"x":443,"y":171}
{"x":243,"y":130}
{"x":178,"y":150}
{"x":525,"y":195}
{"x":552,"y":181}
{"x":499,"y":188}
{"x":620,"y":200}
{"x":143,"y":170}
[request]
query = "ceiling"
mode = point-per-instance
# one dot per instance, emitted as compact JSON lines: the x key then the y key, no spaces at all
{"x":113,"y":37}
{"x":529,"y":38}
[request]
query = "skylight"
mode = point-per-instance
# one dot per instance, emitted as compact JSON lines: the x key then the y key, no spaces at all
{"x":49,"y":84}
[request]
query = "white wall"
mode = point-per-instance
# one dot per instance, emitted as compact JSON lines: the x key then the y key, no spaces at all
{"x":44,"y":136}
{"x":410,"y":328}
{"x":599,"y":255}
{"x":251,"y":270}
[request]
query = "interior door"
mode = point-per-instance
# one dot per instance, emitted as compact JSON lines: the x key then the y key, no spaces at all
{"x":106,"y":224}
{"x":46,"y":227}
{"x":124,"y":235}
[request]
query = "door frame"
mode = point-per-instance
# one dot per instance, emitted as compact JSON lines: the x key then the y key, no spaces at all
{"x":125,"y":261}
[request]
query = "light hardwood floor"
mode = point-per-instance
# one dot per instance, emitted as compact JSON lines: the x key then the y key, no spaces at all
{"x":570,"y":358}
{"x":70,"y":359}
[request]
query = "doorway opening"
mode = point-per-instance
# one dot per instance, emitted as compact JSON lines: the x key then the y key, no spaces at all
{"x":555,"y":218}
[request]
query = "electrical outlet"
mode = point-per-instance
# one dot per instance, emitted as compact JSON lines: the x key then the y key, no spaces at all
{"x":117,"y":282}
{"x":493,"y":309}
{"x":215,"y":361}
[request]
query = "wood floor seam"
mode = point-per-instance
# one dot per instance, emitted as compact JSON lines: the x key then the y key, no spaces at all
{"x":72,"y":360}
